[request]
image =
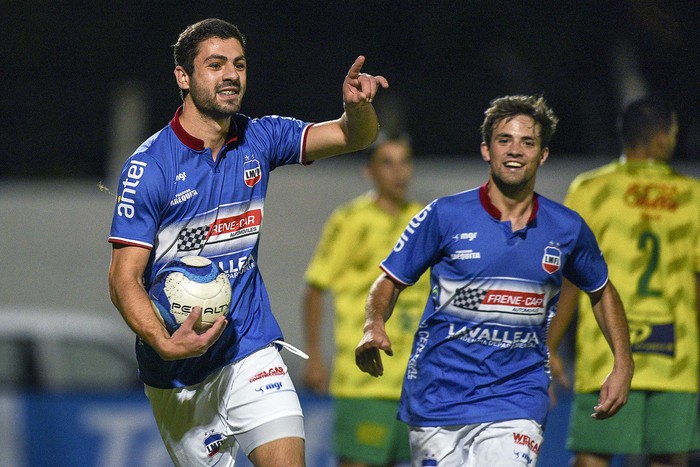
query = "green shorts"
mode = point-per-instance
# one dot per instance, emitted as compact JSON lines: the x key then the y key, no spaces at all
{"x":367,"y":431}
{"x":651,"y":423}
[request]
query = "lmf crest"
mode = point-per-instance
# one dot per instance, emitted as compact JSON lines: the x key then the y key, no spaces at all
{"x":251,"y":172}
{"x":551,"y":261}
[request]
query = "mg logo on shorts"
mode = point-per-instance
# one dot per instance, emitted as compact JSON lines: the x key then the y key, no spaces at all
{"x":551,"y":261}
{"x":276,"y":386}
{"x":523,"y":457}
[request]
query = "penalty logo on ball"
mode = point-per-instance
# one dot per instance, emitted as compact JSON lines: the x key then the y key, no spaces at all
{"x":187,"y":282}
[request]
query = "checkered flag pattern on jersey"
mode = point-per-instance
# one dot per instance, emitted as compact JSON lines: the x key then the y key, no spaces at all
{"x":192,"y":239}
{"x":468,"y":299}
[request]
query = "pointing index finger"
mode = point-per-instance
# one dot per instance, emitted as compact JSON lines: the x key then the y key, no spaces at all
{"x":356,"y":67}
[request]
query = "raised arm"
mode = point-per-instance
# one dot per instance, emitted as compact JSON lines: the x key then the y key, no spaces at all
{"x":128,"y":295}
{"x":610,"y":315}
{"x":380,"y":304}
{"x":358,"y":126}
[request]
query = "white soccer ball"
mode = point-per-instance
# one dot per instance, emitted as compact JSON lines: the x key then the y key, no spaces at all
{"x":186,"y":282}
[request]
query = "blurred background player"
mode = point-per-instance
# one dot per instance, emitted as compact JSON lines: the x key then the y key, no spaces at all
{"x":355,"y":239}
{"x":646,"y":218}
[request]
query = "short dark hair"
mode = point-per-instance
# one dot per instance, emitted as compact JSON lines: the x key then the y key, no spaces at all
{"x":642,"y":119}
{"x":384,"y":138}
{"x":507,"y":107}
{"x":187,"y":45}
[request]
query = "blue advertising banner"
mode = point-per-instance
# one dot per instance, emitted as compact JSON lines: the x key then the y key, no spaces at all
{"x":118,"y":430}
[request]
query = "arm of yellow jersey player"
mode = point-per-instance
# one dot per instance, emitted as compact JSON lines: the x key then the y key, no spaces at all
{"x":316,"y":374}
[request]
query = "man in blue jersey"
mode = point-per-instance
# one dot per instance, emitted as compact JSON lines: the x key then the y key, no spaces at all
{"x":198,"y":187}
{"x":475,"y":390}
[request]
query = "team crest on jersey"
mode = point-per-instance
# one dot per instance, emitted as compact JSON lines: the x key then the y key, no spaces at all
{"x":551,"y":261}
{"x":251,"y":172}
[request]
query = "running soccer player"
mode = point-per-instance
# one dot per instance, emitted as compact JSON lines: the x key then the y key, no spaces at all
{"x":647,"y":219}
{"x":475,"y":391}
{"x":198,"y":187}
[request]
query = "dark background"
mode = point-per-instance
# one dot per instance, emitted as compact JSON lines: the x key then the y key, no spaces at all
{"x":63,"y":61}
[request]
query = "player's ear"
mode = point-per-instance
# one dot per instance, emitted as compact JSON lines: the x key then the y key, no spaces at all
{"x":182,"y":78}
{"x":485,"y":154}
{"x":544,"y":155}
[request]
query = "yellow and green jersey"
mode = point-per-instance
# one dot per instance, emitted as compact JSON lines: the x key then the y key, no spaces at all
{"x":356,"y":238}
{"x":646,"y":218}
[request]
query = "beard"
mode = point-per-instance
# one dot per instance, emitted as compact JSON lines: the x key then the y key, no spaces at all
{"x":205,"y":102}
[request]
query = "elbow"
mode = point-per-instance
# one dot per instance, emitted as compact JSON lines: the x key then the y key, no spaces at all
{"x":113,"y":296}
{"x":113,"y":287}
{"x":117,"y":288}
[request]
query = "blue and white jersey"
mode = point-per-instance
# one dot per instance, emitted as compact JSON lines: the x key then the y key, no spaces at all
{"x":174,"y":199}
{"x":480,"y":352}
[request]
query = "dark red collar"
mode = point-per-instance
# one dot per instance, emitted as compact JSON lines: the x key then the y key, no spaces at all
{"x":495,"y":212}
{"x":196,"y":143}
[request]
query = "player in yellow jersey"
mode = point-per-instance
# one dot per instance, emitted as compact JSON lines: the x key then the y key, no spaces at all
{"x":356,"y":238}
{"x":646,"y":218}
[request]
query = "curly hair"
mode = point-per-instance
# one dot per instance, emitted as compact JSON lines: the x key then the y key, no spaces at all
{"x":507,"y":107}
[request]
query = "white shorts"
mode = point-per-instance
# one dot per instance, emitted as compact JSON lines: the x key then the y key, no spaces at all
{"x":500,"y":444}
{"x":242,"y":405}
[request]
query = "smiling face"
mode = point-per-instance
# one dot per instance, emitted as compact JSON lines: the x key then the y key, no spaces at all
{"x":514,"y":153}
{"x":218,"y":83}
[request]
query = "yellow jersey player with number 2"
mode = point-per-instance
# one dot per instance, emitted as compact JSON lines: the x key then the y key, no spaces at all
{"x":646,"y":218}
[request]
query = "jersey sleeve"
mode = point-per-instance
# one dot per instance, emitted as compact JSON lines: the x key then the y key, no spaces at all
{"x":586,"y":267}
{"x":330,"y":254}
{"x":417,"y":248}
{"x":140,"y":197}
{"x":286,"y":137}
